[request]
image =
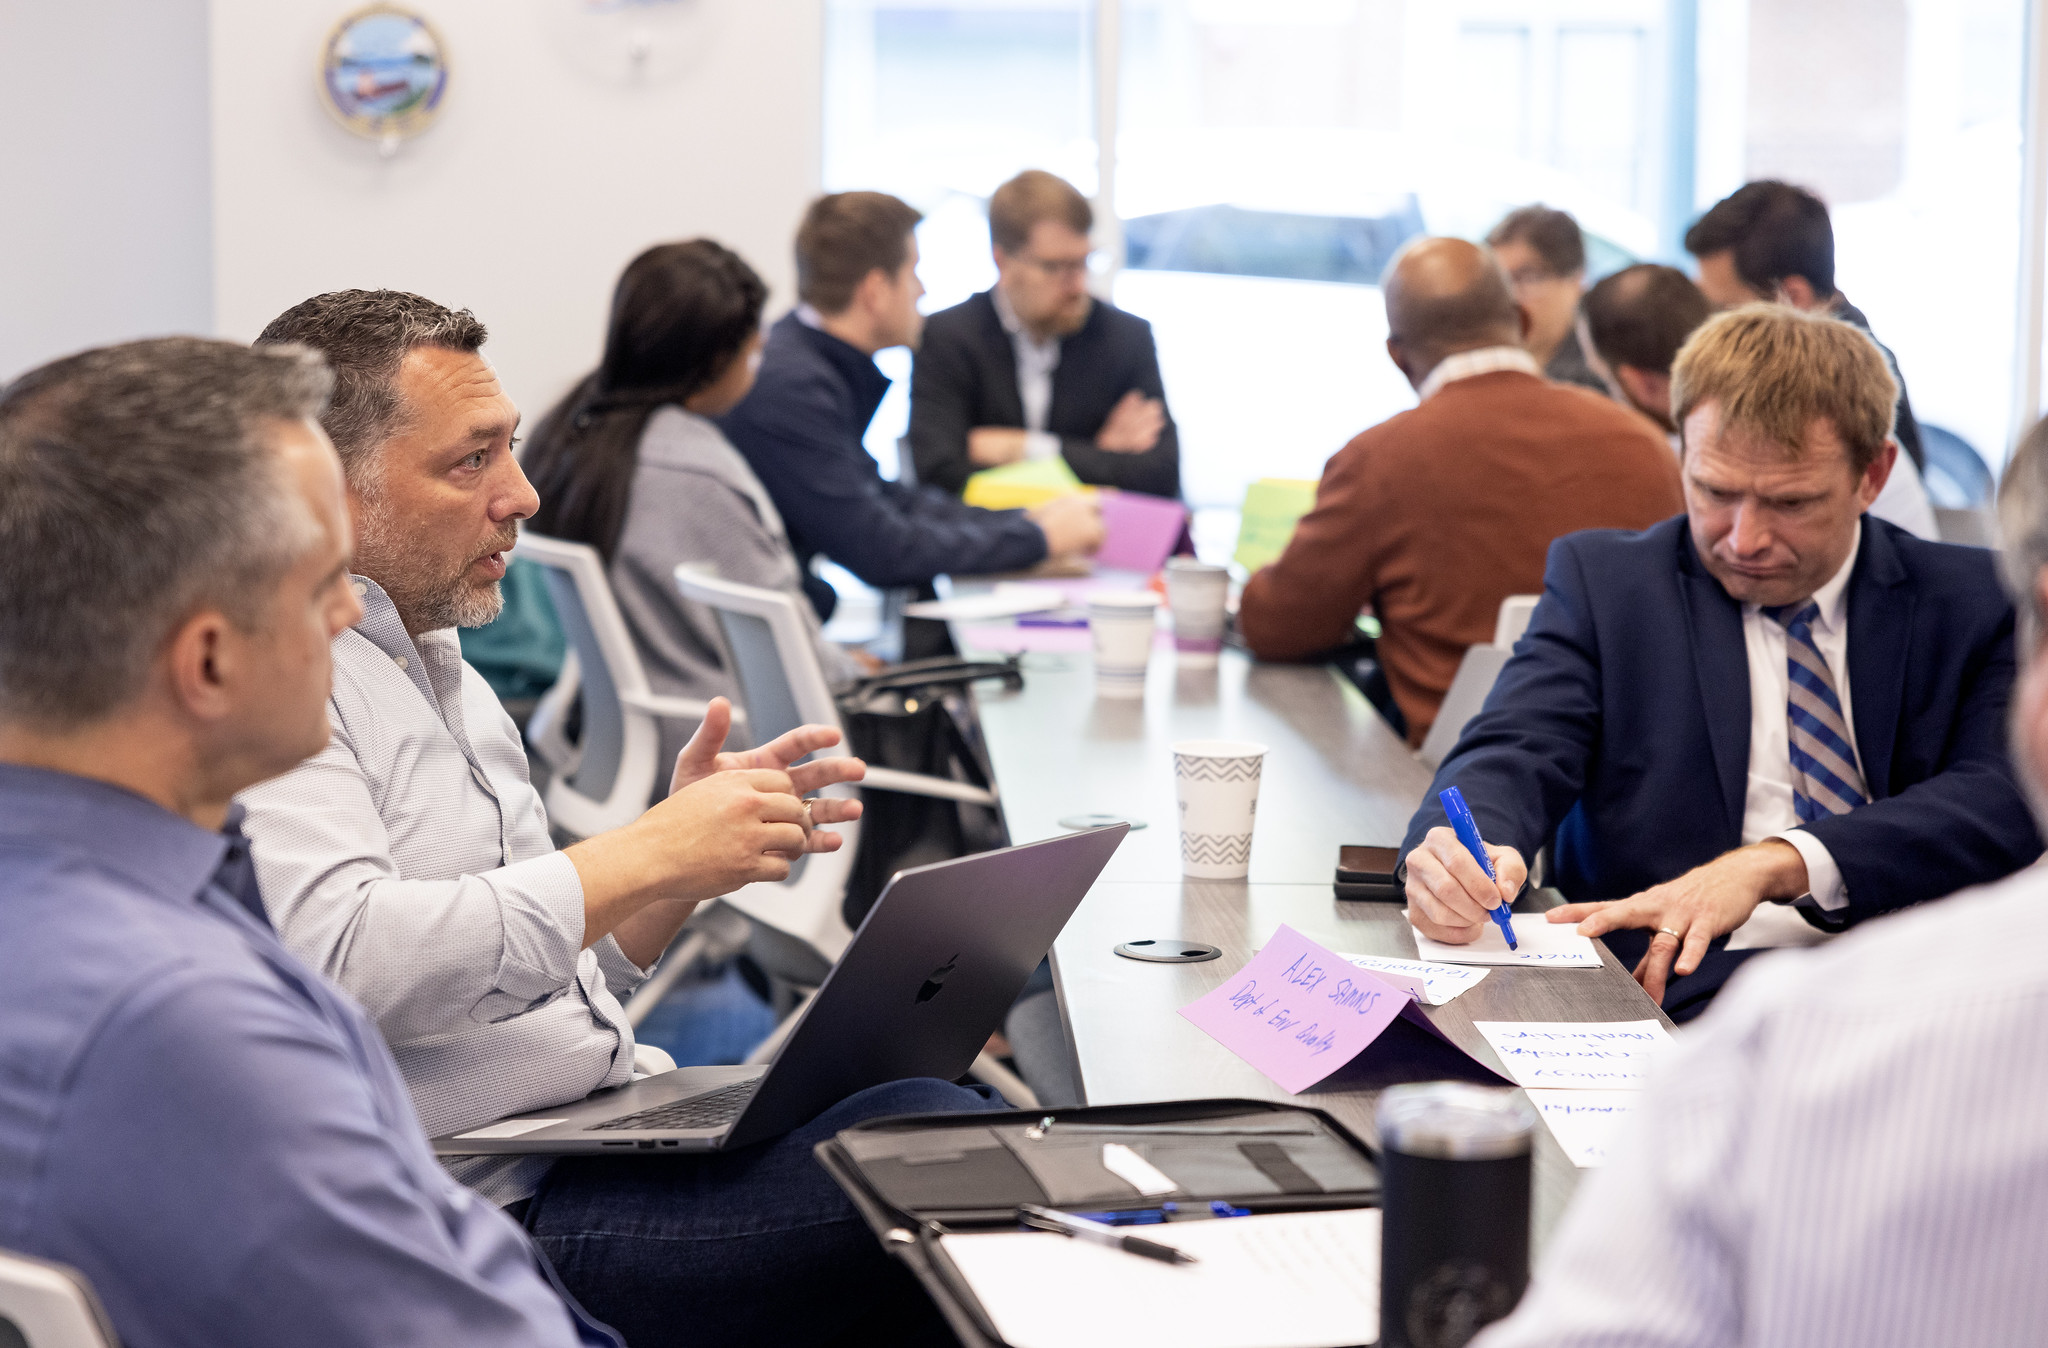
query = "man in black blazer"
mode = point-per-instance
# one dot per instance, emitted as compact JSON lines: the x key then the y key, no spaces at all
{"x":1035,"y":367}
{"x":1774,"y":708}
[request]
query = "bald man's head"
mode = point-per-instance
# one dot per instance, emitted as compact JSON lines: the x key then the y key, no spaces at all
{"x":1445,"y":296}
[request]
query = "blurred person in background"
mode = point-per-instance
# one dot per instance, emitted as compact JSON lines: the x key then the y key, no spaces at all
{"x":1544,"y":255}
{"x":1436,"y":515}
{"x":1631,"y":325}
{"x":818,"y":387}
{"x":631,"y":462}
{"x":1771,"y":242}
{"x":1037,"y":368}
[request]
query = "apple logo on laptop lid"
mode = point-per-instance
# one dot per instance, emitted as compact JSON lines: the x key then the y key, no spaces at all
{"x":937,"y":980}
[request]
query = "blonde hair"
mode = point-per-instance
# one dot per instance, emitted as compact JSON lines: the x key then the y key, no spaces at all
{"x":1030,"y":197}
{"x":1775,"y":370}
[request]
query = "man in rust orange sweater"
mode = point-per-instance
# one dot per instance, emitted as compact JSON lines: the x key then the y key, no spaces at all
{"x":1434,"y":516}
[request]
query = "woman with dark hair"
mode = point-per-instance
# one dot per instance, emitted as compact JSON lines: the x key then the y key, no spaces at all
{"x":631,"y":463}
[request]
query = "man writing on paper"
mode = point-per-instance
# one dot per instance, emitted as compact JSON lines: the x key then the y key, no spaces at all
{"x":1037,"y":368}
{"x":1770,"y":718}
{"x":1436,"y":515}
{"x":1848,"y":1151}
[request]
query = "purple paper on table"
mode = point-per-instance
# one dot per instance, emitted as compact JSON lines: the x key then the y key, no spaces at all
{"x":1298,"y":1012}
{"x":1139,"y":531}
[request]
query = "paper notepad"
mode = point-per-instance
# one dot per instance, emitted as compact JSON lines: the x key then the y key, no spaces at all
{"x":1440,"y":982}
{"x":1272,"y":507}
{"x":1285,"y":1280}
{"x":1020,"y":486}
{"x":1543,"y":944}
{"x":1577,"y":1055}
{"x":1585,"y":1122}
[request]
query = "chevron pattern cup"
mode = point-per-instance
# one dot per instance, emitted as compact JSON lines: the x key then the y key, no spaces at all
{"x":1217,"y":785}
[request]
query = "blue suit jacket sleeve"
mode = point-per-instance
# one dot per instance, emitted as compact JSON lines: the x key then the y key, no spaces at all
{"x":1965,"y":824}
{"x":834,"y":500}
{"x":1522,"y":762}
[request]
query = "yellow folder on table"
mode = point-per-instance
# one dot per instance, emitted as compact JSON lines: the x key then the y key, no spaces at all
{"x":1272,"y":506}
{"x":1020,"y":486}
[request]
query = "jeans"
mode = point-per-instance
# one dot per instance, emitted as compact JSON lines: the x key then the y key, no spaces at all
{"x":756,"y":1246}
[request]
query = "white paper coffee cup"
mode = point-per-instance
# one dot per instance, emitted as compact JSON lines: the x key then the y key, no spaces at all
{"x":1196,"y":592}
{"x":1123,"y":626}
{"x":1217,"y":785}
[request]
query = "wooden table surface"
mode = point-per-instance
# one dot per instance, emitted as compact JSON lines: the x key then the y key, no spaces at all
{"x":1334,"y":774}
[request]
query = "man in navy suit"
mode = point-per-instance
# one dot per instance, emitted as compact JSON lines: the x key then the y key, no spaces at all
{"x":1035,"y":367}
{"x":1756,"y":724}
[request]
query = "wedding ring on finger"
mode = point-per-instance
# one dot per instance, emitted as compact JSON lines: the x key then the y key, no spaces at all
{"x":1676,"y":936}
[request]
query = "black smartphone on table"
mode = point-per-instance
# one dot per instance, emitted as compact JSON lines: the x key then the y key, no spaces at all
{"x":1367,"y":874}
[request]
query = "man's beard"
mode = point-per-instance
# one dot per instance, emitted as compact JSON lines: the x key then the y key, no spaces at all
{"x":417,"y":579}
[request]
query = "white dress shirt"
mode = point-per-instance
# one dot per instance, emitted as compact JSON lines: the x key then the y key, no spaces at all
{"x":1847,"y":1151}
{"x":1904,"y":501}
{"x":410,"y":862}
{"x":1036,"y":361}
{"x":1767,"y":810}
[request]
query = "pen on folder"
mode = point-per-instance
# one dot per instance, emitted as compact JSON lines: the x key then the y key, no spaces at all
{"x":1467,"y":829}
{"x":1067,"y":1224}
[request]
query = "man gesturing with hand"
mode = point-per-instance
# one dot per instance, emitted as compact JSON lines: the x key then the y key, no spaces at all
{"x":410,"y":861}
{"x":1758,"y":723}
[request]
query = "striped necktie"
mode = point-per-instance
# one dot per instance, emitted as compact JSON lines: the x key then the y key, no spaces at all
{"x":1825,"y":778}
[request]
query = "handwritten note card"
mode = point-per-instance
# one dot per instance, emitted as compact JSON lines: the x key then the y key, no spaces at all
{"x":1576,"y":1055}
{"x":1584,"y":1122}
{"x":1297,"y":1012}
{"x":1543,"y":944}
{"x":1440,"y":982}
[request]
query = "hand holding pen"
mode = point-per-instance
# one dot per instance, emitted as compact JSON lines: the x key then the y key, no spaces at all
{"x":1456,"y":888}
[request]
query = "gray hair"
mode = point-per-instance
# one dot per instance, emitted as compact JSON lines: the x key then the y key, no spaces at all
{"x":2023,"y":527}
{"x":137,"y":484}
{"x":365,"y":336}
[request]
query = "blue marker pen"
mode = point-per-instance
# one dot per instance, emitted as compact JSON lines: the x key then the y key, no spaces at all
{"x":1467,"y":829}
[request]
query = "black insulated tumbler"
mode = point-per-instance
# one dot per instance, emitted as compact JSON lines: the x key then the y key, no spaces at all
{"x":1454,"y":1253}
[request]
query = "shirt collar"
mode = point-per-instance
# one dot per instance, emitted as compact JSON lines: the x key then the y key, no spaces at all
{"x":159,"y":852}
{"x":810,"y":318}
{"x":1483,"y":360}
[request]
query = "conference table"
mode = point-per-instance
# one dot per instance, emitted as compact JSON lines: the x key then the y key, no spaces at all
{"x":1334,"y":774}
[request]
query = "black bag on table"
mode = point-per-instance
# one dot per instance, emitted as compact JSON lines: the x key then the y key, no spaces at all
{"x":915,"y":717}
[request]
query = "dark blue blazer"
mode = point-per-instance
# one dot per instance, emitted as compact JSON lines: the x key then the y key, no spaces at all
{"x":1619,"y":729}
{"x":966,"y":376}
{"x":800,"y":430}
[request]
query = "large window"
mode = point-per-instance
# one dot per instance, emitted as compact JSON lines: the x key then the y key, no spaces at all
{"x":1270,"y":155}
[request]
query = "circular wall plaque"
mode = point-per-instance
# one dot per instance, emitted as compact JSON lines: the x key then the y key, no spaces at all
{"x":383,"y":73}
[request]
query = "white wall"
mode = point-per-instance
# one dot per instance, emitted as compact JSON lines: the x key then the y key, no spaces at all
{"x":104,"y":197}
{"x":552,"y":164}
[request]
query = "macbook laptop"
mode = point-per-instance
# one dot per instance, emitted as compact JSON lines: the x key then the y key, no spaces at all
{"x":926,"y":980}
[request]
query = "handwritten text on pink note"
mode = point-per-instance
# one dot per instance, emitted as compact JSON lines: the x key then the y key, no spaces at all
{"x":1297,"y":1012}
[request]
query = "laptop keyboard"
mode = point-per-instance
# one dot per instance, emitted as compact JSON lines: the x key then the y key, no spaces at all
{"x":699,"y":1111}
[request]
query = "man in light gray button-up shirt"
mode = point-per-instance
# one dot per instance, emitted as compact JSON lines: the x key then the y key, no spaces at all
{"x":411,"y":862}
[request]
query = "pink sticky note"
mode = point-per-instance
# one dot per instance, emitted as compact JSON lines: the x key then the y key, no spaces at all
{"x":1297,"y":1012}
{"x":1138,"y":531}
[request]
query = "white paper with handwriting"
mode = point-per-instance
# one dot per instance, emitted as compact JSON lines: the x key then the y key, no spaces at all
{"x":1577,"y":1055}
{"x":1440,"y":982}
{"x":1585,"y":1122}
{"x":1543,"y":944}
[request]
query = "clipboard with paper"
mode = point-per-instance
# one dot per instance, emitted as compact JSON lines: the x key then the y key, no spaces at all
{"x":1276,"y":1203}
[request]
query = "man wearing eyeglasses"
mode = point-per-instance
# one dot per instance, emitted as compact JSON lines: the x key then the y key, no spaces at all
{"x":1544,"y":254}
{"x":1037,"y":368}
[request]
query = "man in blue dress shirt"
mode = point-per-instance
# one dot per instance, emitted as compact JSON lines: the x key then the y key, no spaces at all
{"x":214,"y":1135}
